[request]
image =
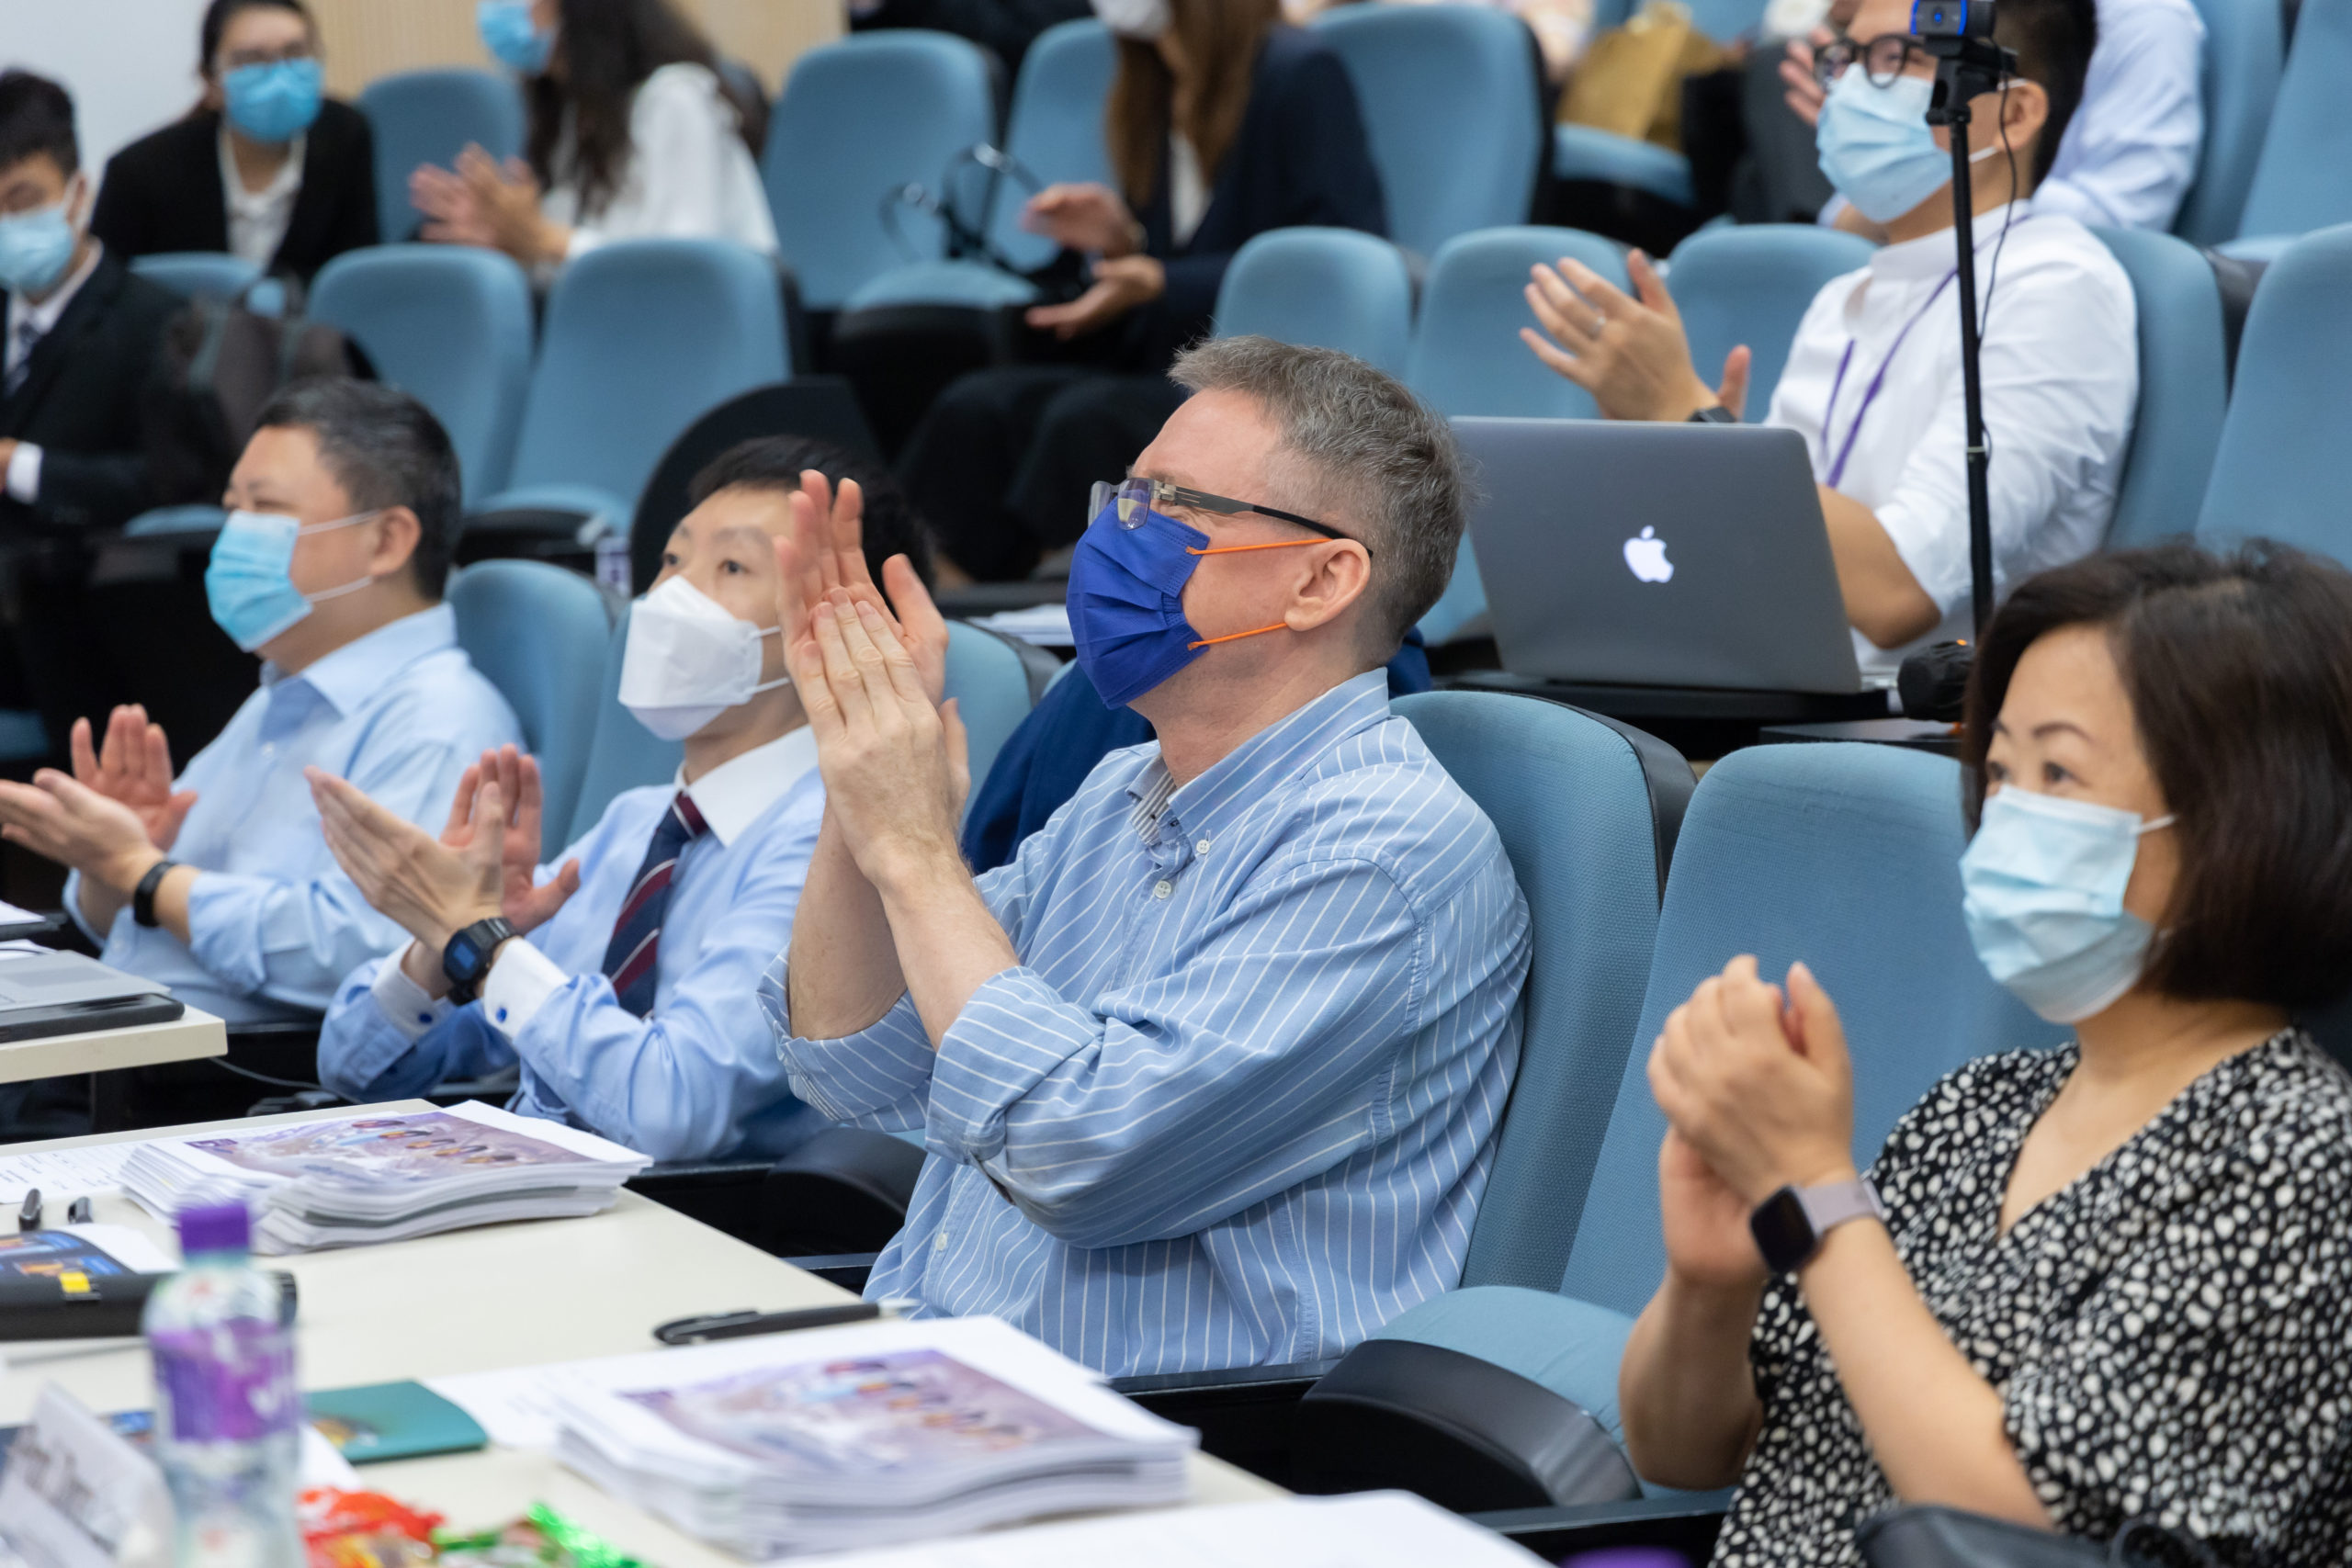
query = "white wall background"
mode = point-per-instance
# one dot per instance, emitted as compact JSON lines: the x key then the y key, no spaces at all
{"x":131,"y":65}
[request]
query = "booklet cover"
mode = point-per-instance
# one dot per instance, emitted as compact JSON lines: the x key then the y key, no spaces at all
{"x":423,"y":1146}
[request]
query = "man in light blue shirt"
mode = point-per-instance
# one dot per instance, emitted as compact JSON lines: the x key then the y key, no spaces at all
{"x":1210,"y":1073}
{"x":628,"y":997}
{"x":218,"y":884}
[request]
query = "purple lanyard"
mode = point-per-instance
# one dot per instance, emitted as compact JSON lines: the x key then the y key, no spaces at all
{"x":1870,"y":396}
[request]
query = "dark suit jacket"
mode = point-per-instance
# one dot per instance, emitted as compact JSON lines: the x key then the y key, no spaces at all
{"x":1300,"y":157}
{"x":81,"y":401}
{"x":163,"y":192}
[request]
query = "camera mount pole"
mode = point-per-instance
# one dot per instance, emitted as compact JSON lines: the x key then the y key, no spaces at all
{"x":1966,"y":67}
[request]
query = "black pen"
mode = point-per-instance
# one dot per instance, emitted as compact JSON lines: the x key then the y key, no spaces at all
{"x":742,"y":1325}
{"x":77,"y":1212}
{"x":28,"y":1217}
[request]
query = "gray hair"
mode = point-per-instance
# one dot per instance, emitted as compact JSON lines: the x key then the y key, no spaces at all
{"x":1380,"y":453}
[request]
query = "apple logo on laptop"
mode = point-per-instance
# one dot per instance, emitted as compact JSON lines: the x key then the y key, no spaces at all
{"x":1646,"y":557}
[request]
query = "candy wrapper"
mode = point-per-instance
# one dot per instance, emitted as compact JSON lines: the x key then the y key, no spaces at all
{"x":541,"y":1538}
{"x":364,"y":1530}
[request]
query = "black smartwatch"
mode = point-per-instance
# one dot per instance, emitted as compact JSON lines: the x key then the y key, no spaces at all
{"x":143,"y":897}
{"x":1716,"y":415}
{"x":467,"y":958}
{"x":1790,"y":1225}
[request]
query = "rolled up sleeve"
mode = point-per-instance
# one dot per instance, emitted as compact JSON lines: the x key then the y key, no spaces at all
{"x":876,"y":1077}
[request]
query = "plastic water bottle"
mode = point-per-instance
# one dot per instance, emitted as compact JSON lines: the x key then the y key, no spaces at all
{"x":226,"y":1400}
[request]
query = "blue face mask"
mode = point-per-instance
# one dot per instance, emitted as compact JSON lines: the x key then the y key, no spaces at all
{"x":510,"y":36}
{"x":249,"y":583}
{"x":274,"y":103}
{"x":1127,"y":601}
{"x":35,"y":249}
{"x":2044,"y":880}
{"x":1875,"y":146}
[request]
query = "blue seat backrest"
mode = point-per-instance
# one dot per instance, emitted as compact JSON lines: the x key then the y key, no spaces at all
{"x":622,"y":753}
{"x":2184,"y":387}
{"x":1571,"y":803}
{"x":190,"y":272}
{"x":452,"y":325}
{"x":1055,"y":129}
{"x":857,"y":121}
{"x":2303,"y":179}
{"x":991,"y":688}
{"x":1447,"y":93}
{"x":1752,"y":286}
{"x":1846,"y":856}
{"x":2244,"y":53}
{"x":539,"y":634}
{"x":428,"y":117}
{"x":1322,"y":288}
{"x":642,"y":338}
{"x":2279,"y":472}
{"x":1467,"y":357}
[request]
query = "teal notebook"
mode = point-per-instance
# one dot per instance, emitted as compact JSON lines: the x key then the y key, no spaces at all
{"x":393,"y":1420}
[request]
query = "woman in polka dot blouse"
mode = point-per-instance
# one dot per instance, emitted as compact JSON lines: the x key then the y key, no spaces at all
{"x":2084,"y":1286}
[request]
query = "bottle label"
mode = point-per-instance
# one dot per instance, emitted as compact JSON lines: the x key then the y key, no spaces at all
{"x":233,"y":1382}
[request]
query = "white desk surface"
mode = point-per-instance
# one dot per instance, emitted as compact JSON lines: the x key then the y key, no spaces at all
{"x":192,"y":1034}
{"x":477,"y":1300}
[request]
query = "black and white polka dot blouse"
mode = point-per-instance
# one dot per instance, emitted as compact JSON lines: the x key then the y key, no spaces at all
{"x":2171,"y":1334}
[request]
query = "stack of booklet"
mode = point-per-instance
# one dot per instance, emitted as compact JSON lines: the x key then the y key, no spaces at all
{"x":862,"y":1434}
{"x":384,"y":1178}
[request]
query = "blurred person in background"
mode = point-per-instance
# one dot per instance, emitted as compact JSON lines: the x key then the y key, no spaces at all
{"x":633,"y":136}
{"x":1222,"y":122}
{"x":1006,"y":26}
{"x":266,"y":166}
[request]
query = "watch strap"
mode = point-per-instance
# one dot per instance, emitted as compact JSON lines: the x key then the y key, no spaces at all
{"x":465,"y":959}
{"x":1716,"y":415}
{"x":1833,"y":1203}
{"x":1790,"y":1226}
{"x":143,"y":897}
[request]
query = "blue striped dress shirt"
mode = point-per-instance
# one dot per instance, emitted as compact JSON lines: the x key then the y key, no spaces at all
{"x":1237,"y":1102}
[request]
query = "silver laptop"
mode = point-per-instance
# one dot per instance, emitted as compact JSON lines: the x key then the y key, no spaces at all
{"x":1656,"y":555}
{"x":62,"y":979}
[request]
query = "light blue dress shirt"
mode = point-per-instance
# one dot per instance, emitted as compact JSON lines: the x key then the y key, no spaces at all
{"x":1238,"y":1103}
{"x":697,"y":1077}
{"x":273,"y":922}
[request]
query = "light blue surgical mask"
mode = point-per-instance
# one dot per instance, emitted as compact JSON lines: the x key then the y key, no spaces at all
{"x":249,"y":583}
{"x":509,"y":34}
{"x":35,"y":248}
{"x":1875,"y":146}
{"x":2044,"y":880}
{"x":275,"y":102}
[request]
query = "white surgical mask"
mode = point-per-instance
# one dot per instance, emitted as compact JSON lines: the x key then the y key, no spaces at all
{"x":2044,"y":880}
{"x":1141,"y":20}
{"x":688,"y":660}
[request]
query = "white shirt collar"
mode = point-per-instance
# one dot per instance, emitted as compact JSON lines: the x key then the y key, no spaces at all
{"x":1929,"y":258}
{"x":732,"y":796}
{"x":44,"y":315}
{"x":282,"y":186}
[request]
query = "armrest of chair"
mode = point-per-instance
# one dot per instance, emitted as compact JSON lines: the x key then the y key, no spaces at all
{"x":844,"y":1191}
{"x":723,"y":1194}
{"x":1245,"y":1415}
{"x":850,"y":1270}
{"x":1685,"y":1522}
{"x":1462,"y":1432}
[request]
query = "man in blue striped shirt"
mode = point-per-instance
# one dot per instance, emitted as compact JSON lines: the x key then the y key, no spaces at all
{"x":1210,"y":1074}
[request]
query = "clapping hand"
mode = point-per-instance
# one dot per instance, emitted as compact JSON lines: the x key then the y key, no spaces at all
{"x":1629,"y":353}
{"x":428,"y":888}
{"x":1120,"y":285}
{"x":514,"y":776}
{"x":824,"y":552}
{"x":484,"y":202}
{"x":77,"y":825}
{"x":133,"y":766}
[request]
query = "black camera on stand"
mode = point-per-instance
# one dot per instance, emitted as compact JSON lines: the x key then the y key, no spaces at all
{"x":1959,"y":34}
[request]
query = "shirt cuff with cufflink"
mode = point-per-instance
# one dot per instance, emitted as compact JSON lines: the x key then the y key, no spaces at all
{"x":521,"y":980}
{"x":403,"y":1002}
{"x":24,"y":473}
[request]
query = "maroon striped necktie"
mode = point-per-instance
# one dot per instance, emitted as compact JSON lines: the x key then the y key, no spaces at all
{"x":632,"y":958}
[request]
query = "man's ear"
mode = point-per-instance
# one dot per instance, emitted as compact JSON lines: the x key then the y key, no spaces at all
{"x":398,"y":534}
{"x":1340,"y":574}
{"x":2024,"y":112}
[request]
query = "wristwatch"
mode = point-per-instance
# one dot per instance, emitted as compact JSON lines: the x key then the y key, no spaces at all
{"x":1716,"y":415}
{"x":467,"y":958}
{"x":1790,"y":1225}
{"x":143,"y":897}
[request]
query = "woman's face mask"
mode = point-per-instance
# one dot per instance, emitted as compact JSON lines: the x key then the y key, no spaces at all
{"x":1143,"y":21}
{"x":687,"y":660}
{"x":272,"y":102}
{"x":512,"y":39}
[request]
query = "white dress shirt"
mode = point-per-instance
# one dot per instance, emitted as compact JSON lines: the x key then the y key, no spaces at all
{"x":2130,"y":152}
{"x":22,"y":481}
{"x":2061,"y":377}
{"x":257,"y":218}
{"x":689,"y":175}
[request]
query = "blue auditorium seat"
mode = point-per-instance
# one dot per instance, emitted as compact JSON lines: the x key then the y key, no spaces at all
{"x":2244,"y":53}
{"x":451,"y":324}
{"x":1589,"y":153}
{"x":430,"y":117}
{"x":642,"y":337}
{"x":2303,"y":179}
{"x":990,"y":685}
{"x":1323,"y":288}
{"x":859,"y":119}
{"x":1845,"y":856}
{"x":539,"y":634}
{"x":190,"y":272}
{"x":622,"y":753}
{"x":2184,"y":387}
{"x":1752,"y":285}
{"x":2279,"y":472}
{"x":1448,"y":94}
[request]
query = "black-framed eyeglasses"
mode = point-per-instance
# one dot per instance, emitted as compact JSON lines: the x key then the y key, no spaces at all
{"x":1135,"y":497}
{"x":1882,"y":59}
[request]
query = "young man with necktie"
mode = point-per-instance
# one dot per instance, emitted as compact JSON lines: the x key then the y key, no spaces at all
{"x":620,"y":975}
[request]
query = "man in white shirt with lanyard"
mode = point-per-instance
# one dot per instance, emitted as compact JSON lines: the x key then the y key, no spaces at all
{"x":1872,"y":380}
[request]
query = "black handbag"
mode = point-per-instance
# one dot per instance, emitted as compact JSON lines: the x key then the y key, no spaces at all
{"x":1949,"y":1537}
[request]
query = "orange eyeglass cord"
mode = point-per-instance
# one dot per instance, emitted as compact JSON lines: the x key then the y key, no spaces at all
{"x":1234,"y":550}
